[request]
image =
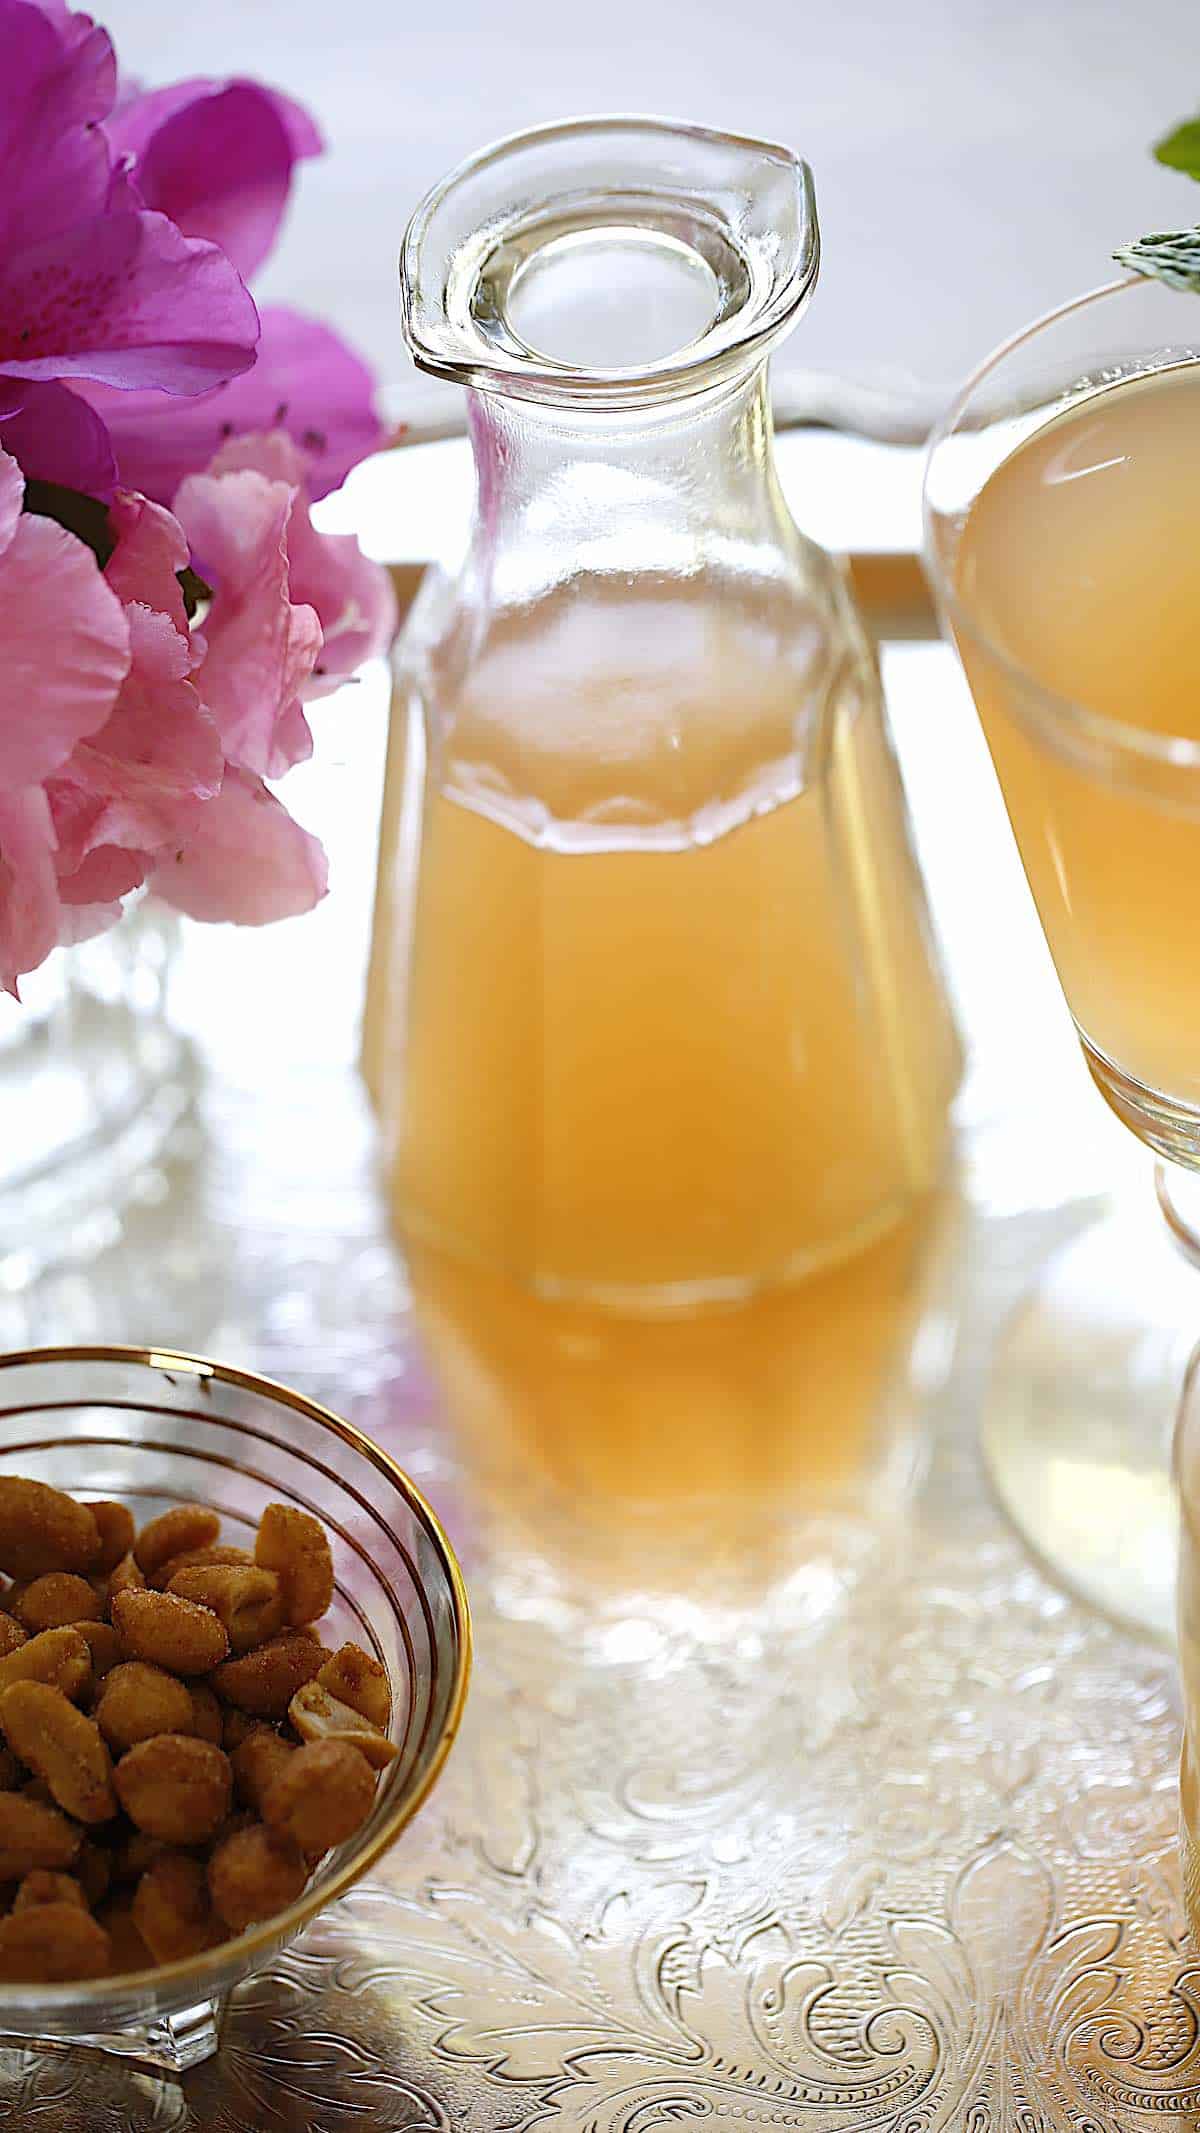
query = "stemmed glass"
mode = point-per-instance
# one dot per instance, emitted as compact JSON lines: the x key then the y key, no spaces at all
{"x":1078,"y":1416}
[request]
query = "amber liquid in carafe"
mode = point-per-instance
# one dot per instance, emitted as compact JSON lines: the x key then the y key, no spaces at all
{"x":675,"y":1032}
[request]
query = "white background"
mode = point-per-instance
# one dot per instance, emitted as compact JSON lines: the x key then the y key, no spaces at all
{"x":975,"y":162}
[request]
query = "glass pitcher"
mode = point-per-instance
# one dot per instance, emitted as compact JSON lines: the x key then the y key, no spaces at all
{"x":668,"y":1027}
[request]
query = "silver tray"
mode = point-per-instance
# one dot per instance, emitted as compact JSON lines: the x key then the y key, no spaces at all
{"x":859,"y":1825}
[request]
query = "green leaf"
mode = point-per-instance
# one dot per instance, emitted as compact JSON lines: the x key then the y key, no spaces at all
{"x":1180,"y":150}
{"x":195,"y":591}
{"x":1172,"y":256}
{"x":82,"y":515}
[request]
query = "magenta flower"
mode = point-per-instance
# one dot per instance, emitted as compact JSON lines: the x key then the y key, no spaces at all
{"x":305,"y":381}
{"x":220,"y":159}
{"x":217,"y":157}
{"x":93,"y":284}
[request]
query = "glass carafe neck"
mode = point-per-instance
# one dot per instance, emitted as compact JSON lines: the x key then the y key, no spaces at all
{"x":668,"y":491}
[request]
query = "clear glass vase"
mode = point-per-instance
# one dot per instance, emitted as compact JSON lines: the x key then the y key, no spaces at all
{"x":664,"y":1026}
{"x":93,"y":1082}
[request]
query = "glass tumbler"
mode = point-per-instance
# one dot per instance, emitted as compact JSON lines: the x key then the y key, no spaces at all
{"x":154,"y":1429}
{"x":664,"y":1025}
{"x":1104,"y":799}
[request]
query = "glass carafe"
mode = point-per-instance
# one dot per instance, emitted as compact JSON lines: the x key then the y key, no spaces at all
{"x":667,"y":1024}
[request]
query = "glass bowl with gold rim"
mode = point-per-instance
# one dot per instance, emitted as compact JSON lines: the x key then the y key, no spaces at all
{"x":153,"y":1428}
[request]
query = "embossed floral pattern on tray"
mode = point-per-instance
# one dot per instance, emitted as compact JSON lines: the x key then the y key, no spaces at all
{"x":900,"y":1863}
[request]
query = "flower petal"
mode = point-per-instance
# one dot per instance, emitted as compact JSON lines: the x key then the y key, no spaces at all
{"x":28,"y":890}
{"x":54,"y":88}
{"x":142,"y":781}
{"x":66,"y":648}
{"x":151,"y":548}
{"x":261,"y":648}
{"x":12,"y":497}
{"x":123,"y":297}
{"x":57,"y":437}
{"x":218,"y":159}
{"x":248,"y":861}
{"x":101,"y":878}
{"x":351,"y":596}
{"x":140,"y":116}
{"x":305,"y":381}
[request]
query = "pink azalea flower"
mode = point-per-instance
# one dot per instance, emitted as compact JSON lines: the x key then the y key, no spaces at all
{"x":351,"y":596}
{"x":142,"y":781}
{"x":259,"y":648}
{"x":64,"y":643}
{"x":134,"y":743}
{"x":248,"y":861}
{"x":65,"y":650}
{"x":92,"y":283}
{"x":29,"y":907}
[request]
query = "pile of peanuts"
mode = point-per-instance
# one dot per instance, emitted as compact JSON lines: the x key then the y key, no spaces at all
{"x":179,"y":1748}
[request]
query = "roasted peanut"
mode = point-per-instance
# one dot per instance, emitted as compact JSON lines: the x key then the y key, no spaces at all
{"x":12,"y":1636}
{"x":63,"y":1746}
{"x":257,"y":1763}
{"x":125,"y":1578}
{"x":41,"y":1529}
{"x":206,"y":1714}
{"x":114,"y":1523}
{"x":138,"y":1701}
{"x":264,"y":1682}
{"x":169,"y":1632}
{"x":189,"y":1525}
{"x":237,"y":1726}
{"x":50,"y":1943}
{"x":104,"y":1645}
{"x":294,"y":1544}
{"x":44,"y":1887}
{"x":93,"y":1870}
{"x":220,"y":1554}
{"x":58,"y":1600}
{"x":59,"y":1657}
{"x":32,"y":1835}
{"x":172,"y":1909}
{"x":175,"y":1787}
{"x":317,"y":1715}
{"x":128,"y":1951}
{"x":253,"y":1874}
{"x":208,"y":1650}
{"x":354,"y":1677}
{"x":247,"y":1600}
{"x":320,"y":1795}
{"x":137,"y":1852}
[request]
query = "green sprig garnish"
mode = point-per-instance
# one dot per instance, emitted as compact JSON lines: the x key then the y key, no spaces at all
{"x":1180,"y":149}
{"x":1171,"y":256}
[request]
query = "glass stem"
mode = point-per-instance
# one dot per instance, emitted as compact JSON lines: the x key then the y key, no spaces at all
{"x":1178,"y":1190}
